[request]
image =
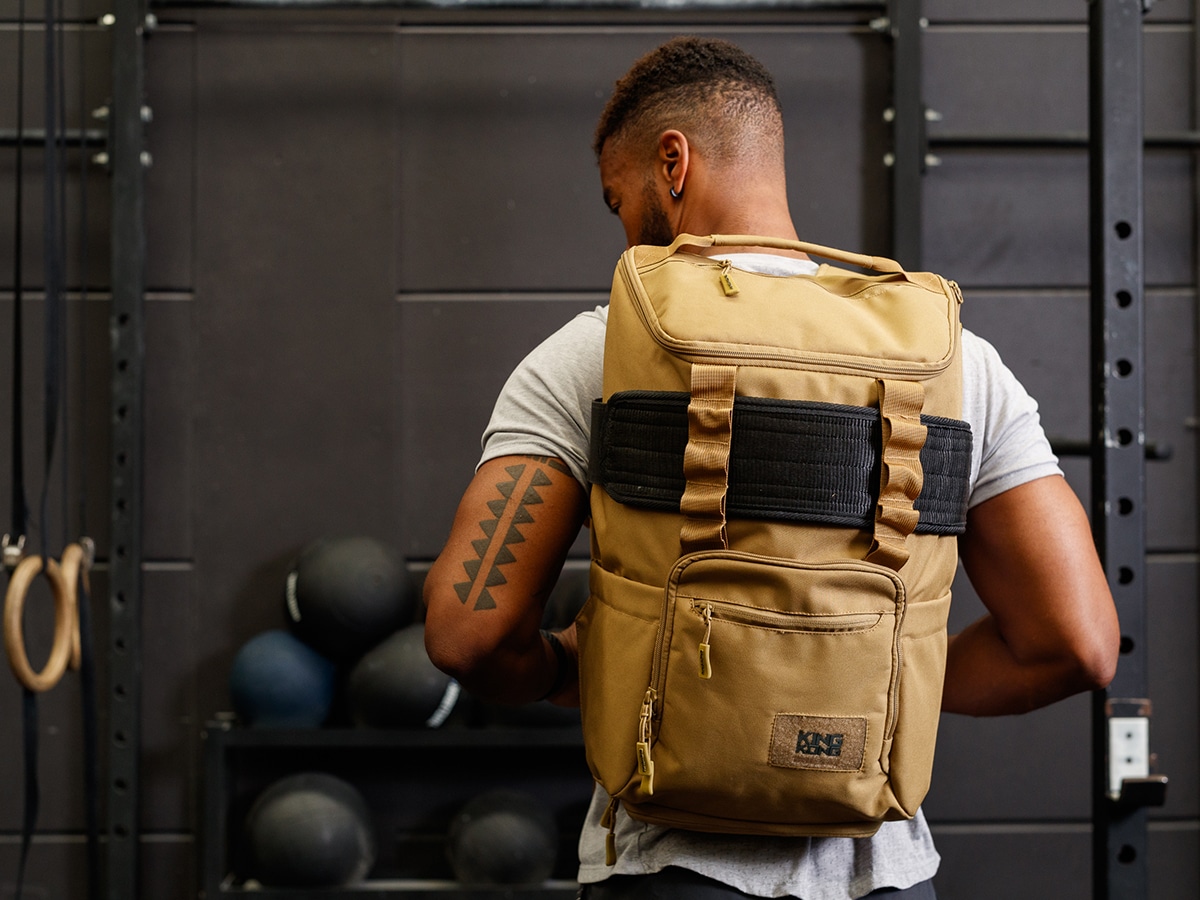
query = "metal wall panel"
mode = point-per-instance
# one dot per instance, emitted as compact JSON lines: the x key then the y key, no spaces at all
{"x":292,"y":316}
{"x":57,"y":868}
{"x":499,"y":189}
{"x":1040,"y":11}
{"x":170,"y":452}
{"x":1051,"y":863}
{"x":1042,"y":337}
{"x":1027,"y":80}
{"x":84,"y":435}
{"x":172,"y":663}
{"x":1031,"y":768}
{"x":98,"y":211}
{"x":93,"y":44}
{"x":1173,"y":622}
{"x":78,"y":506}
{"x":93,"y":58}
{"x":1174,"y":863}
{"x":171,"y":142}
{"x":454,"y":357}
{"x":995,"y":863}
{"x":60,"y":757}
{"x":60,"y":754}
{"x":1025,"y":222}
{"x":88,"y":10}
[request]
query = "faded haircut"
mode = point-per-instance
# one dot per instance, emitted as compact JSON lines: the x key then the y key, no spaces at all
{"x":713,"y":91}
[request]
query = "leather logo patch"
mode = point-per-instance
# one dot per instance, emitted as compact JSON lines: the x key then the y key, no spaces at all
{"x":829,"y":743}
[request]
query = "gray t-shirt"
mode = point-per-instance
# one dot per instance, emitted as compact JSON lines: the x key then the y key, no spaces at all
{"x":545,"y":410}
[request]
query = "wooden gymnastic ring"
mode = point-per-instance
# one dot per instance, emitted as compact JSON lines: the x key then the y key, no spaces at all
{"x":64,"y":616}
{"x":75,"y":564}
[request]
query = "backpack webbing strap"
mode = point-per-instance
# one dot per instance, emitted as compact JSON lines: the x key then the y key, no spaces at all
{"x":706,"y":458}
{"x":791,"y":460}
{"x":900,"y":475}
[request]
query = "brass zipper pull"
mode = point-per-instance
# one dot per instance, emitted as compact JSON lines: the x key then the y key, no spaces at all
{"x":705,"y":658}
{"x":727,"y":284}
{"x":644,"y":760}
{"x":609,"y":821}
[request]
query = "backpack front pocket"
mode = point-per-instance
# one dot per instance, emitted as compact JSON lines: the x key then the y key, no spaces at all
{"x":775,"y":688}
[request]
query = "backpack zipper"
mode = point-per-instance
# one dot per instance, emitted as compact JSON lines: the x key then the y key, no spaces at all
{"x":817,"y":361}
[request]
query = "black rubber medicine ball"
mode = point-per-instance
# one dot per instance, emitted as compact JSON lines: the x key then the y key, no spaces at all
{"x":278,"y":681}
{"x":395,"y":685}
{"x":310,"y":830}
{"x":502,"y":837}
{"x":345,"y":594}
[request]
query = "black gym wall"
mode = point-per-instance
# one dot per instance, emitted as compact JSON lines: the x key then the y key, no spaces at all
{"x":359,"y":220}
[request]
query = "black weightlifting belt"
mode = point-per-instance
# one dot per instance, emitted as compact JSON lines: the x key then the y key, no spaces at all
{"x":789,"y":460}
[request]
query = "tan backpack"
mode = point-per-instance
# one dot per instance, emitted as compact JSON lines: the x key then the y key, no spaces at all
{"x":778,"y":473}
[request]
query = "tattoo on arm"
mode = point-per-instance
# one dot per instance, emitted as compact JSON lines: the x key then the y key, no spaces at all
{"x":510,"y":510}
{"x":557,"y":464}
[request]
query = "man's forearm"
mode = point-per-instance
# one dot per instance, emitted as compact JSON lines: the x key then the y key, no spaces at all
{"x":984,"y":677}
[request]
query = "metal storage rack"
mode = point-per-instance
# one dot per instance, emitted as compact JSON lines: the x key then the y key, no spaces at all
{"x":410,"y":809}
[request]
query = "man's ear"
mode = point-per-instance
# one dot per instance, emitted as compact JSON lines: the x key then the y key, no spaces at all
{"x":674,"y":156}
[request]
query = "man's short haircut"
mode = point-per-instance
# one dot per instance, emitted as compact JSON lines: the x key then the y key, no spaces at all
{"x":713,"y":91}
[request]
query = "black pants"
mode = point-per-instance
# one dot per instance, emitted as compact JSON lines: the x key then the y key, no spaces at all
{"x":681,"y":884}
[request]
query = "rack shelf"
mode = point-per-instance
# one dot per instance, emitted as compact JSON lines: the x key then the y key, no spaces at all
{"x":414,"y":782}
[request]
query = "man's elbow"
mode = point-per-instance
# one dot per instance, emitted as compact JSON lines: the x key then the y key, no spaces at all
{"x":452,"y":646}
{"x":1094,"y":662}
{"x":454,"y":653}
{"x":1099,"y":667}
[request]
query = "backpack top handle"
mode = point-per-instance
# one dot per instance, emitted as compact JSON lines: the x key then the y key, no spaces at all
{"x":878,"y":263}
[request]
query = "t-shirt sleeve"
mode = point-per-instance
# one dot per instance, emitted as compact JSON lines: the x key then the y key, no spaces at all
{"x":1010,"y":446}
{"x":545,"y":406}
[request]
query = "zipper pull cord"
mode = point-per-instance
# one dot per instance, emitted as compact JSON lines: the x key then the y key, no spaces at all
{"x":609,"y":821}
{"x":645,"y":762}
{"x":727,"y":285}
{"x":705,"y":658}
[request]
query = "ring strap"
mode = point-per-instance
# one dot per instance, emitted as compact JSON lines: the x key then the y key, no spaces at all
{"x":64,"y":624}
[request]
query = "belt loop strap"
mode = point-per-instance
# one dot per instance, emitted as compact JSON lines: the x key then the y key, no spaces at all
{"x":900,"y":473}
{"x":706,"y":458}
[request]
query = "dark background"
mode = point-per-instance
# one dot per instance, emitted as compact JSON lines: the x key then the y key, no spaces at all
{"x":360,"y":220}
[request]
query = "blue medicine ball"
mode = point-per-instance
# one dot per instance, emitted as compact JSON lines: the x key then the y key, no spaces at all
{"x":310,"y":830}
{"x":278,"y":681}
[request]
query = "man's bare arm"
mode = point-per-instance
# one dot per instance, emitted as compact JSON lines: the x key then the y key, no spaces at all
{"x":486,"y":593}
{"x":1051,"y":629}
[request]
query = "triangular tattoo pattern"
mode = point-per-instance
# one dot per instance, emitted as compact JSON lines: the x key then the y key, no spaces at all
{"x":509,"y":511}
